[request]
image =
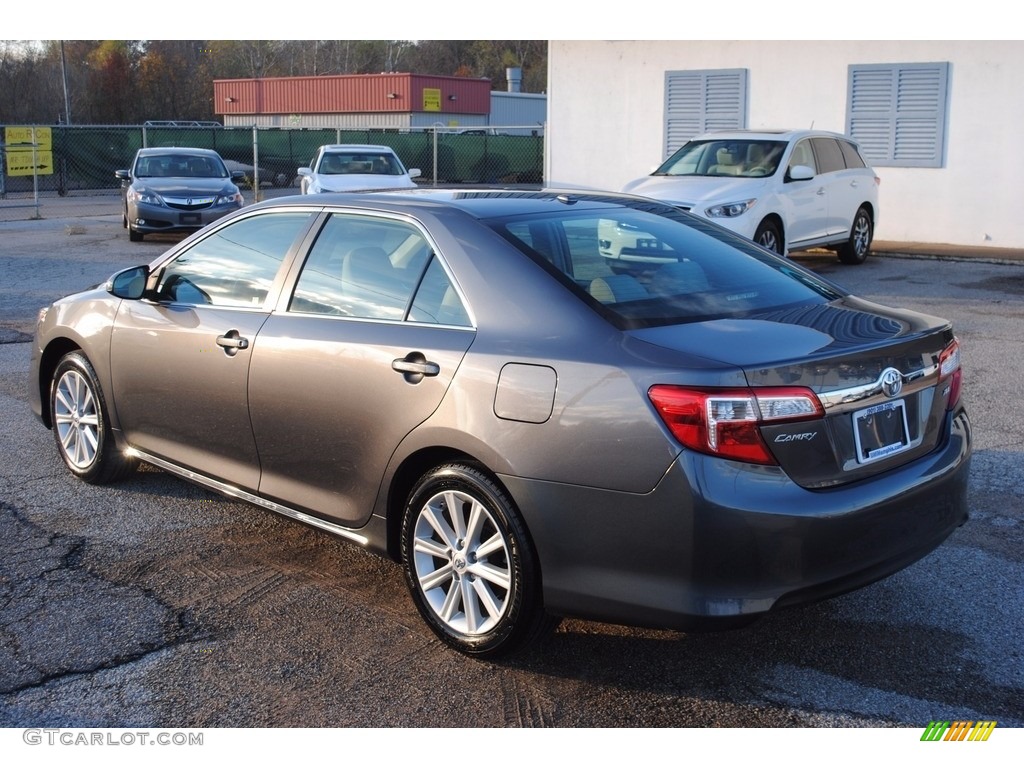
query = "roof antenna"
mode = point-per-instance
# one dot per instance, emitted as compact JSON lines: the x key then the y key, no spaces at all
{"x":812,"y":126}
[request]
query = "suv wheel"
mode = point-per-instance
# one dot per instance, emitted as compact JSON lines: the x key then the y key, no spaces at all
{"x":768,"y":236}
{"x":855,"y":249}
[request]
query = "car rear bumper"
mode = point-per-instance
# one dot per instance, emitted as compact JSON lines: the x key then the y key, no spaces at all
{"x":718,"y":543}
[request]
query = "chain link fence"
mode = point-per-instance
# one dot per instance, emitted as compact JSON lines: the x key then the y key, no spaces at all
{"x":52,"y":171}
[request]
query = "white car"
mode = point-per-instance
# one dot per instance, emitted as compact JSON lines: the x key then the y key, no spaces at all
{"x":786,"y":190}
{"x":350,"y":167}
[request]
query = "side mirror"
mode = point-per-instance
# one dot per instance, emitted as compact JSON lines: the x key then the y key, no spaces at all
{"x":800,"y":173}
{"x":128,"y":283}
{"x":237,"y":175}
{"x":123,"y":175}
{"x":304,"y":171}
{"x":415,"y":173}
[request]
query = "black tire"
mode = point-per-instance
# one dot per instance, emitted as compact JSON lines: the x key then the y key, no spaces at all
{"x":768,"y":236}
{"x":81,"y":425}
{"x":134,"y":236}
{"x":855,"y":250}
{"x":484,"y":605}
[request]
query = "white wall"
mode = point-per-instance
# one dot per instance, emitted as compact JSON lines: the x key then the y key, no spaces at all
{"x":606,"y":103}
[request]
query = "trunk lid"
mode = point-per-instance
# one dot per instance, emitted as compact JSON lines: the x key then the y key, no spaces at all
{"x":876,"y":370}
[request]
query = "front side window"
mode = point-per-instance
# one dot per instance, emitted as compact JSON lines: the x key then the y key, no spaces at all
{"x":640,"y":269}
{"x":803,"y":155}
{"x":236,"y":265}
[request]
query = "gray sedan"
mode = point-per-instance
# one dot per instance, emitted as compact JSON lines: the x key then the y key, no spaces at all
{"x":176,"y":189}
{"x":461,"y":380}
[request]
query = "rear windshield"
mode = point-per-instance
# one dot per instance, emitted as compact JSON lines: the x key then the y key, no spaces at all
{"x":642,"y":269}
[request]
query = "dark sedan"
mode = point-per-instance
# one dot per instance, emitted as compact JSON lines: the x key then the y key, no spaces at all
{"x":176,"y":189}
{"x":461,"y":380}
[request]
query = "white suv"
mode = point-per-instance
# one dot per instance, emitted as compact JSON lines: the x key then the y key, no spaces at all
{"x":786,"y":190}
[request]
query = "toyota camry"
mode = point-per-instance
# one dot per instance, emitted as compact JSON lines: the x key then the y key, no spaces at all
{"x":463,"y":381}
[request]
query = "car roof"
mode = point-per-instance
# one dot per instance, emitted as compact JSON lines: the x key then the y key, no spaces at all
{"x":156,"y":151}
{"x":356,"y":148}
{"x":482,"y":203}
{"x":789,"y":134}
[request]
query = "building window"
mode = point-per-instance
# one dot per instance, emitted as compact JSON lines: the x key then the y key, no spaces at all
{"x":697,"y":101}
{"x":897,"y":113}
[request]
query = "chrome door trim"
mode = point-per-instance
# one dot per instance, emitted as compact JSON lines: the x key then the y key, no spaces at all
{"x":238,"y":493}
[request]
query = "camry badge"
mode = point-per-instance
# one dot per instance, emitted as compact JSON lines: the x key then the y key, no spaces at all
{"x":892,"y":382}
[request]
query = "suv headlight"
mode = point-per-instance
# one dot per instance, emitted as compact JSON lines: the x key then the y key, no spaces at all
{"x":730,"y":210}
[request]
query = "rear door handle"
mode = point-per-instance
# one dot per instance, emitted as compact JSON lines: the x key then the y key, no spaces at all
{"x":415,"y":366}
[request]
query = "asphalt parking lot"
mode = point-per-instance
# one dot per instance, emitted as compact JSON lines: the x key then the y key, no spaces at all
{"x":154,"y":603}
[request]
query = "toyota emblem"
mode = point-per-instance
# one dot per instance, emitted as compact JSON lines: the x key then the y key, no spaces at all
{"x":892,"y":382}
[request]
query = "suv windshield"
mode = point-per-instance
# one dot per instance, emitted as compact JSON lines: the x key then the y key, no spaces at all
{"x":338,"y":163}
{"x":747,"y":158}
{"x":683,"y":269}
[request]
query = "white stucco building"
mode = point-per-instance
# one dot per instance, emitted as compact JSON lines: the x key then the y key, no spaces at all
{"x":939,"y":120}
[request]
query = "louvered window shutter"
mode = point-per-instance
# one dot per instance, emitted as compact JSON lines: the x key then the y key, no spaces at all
{"x":697,"y":101}
{"x":897,"y":113}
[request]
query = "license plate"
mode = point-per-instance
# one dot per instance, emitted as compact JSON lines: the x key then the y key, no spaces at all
{"x":190,"y":218}
{"x":881,"y":431}
{"x":648,"y":244}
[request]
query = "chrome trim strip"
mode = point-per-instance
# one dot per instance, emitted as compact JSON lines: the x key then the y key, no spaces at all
{"x":238,"y":493}
{"x":839,"y":397}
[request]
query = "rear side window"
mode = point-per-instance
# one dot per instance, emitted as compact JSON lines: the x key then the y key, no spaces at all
{"x":641,"y":269}
{"x":830,"y":157}
{"x":378,"y":269}
{"x":851,"y":155}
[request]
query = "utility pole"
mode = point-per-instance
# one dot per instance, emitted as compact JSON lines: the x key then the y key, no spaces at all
{"x":64,"y":76}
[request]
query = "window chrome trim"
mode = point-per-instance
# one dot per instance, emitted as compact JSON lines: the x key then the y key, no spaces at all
{"x":292,"y":281}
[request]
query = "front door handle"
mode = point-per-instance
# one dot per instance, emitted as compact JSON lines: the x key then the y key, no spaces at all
{"x":232,"y":341}
{"x":415,"y":366}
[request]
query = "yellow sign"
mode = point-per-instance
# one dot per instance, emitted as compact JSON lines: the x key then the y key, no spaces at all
{"x":431,"y":99}
{"x":20,"y":160}
{"x":25,"y":162}
{"x":24,"y":134}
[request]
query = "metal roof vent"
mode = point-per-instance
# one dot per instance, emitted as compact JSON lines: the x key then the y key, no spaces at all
{"x":514,"y":76}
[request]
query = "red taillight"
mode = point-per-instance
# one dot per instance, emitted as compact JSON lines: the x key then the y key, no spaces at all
{"x":726,"y":422}
{"x":950,"y":370}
